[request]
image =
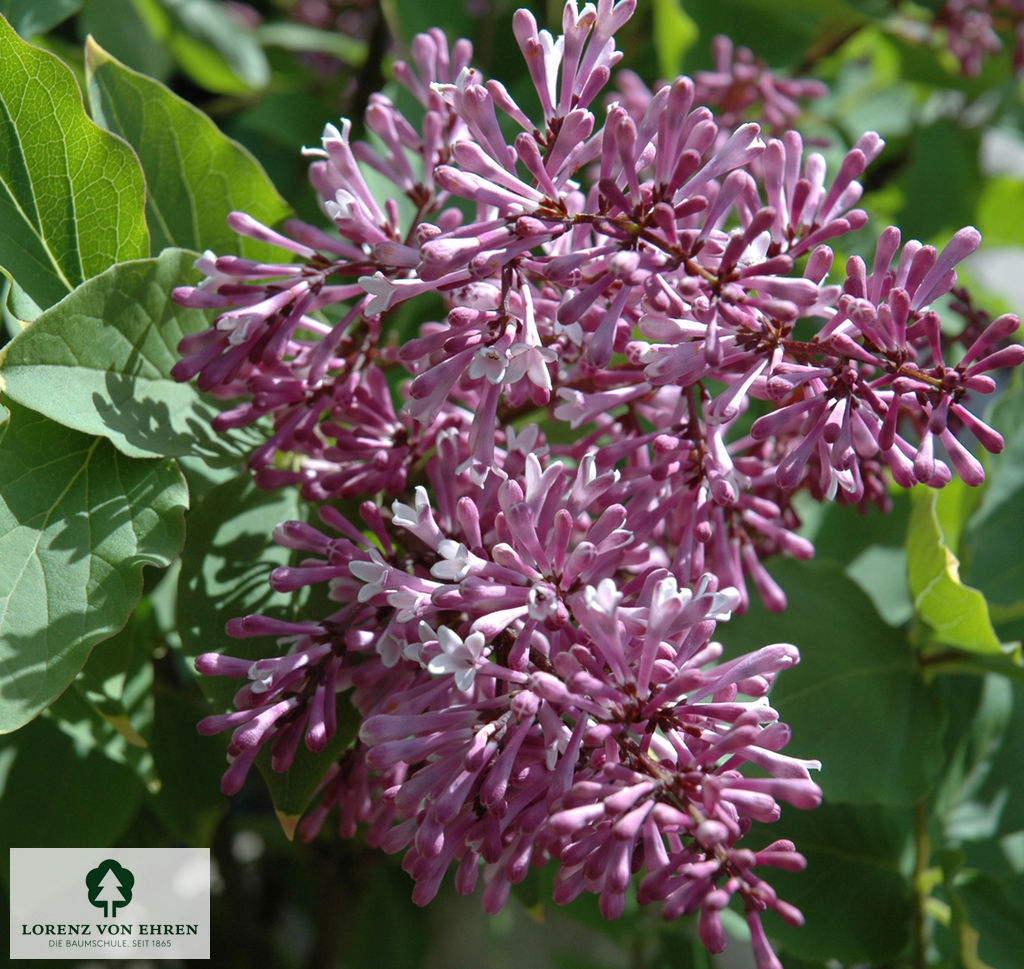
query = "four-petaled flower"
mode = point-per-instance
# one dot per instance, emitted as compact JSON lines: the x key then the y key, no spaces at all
{"x":458,"y":657}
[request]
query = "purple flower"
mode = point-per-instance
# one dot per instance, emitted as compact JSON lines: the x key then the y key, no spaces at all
{"x":742,"y":86}
{"x":562,"y":710}
{"x":970,"y":30}
{"x":572,"y":472}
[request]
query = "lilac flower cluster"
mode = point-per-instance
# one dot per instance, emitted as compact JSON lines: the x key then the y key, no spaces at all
{"x":972,"y":31}
{"x":533,"y":685}
{"x":740,"y":88}
{"x":570,"y":476}
{"x":741,"y":83}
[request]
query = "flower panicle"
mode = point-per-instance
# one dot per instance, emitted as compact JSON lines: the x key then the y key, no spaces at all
{"x":640,"y":356}
{"x":521,"y":701}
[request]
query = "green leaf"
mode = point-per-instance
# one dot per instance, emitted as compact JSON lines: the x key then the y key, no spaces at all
{"x":406,"y":18}
{"x":304,"y":39}
{"x":195,"y":175}
{"x":995,"y":534}
{"x":779,"y":32}
{"x":100,"y":362}
{"x":854,"y":898}
{"x":856,"y":700}
{"x":119,"y":27}
{"x":383,"y":898}
{"x":272,"y":128}
{"x":866,"y":93}
{"x":995,"y":911}
{"x":957,"y":614}
{"x":674,"y":34}
{"x":19,"y":309}
{"x":1000,"y":787}
{"x":978,"y":711}
{"x":943,"y":164}
{"x":209,"y":43}
{"x":293,"y":790}
{"x":868,"y":545}
{"x":78,"y":521}
{"x":115,"y":737}
{"x":30,"y":18}
{"x":999,"y":208}
{"x":675,"y":950}
{"x":71,"y":195}
{"x":188,"y":766}
{"x":57,"y":794}
{"x":225,"y":577}
{"x":117,"y":680}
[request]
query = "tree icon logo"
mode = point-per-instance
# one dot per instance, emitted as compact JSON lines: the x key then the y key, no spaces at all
{"x":110,"y":886}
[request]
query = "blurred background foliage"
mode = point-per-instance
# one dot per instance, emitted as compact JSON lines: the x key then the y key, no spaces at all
{"x":917,"y":856}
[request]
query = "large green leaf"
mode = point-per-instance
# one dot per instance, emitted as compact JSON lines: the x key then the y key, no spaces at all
{"x":272,"y":128}
{"x":188,"y":765}
{"x":71,"y":195}
{"x":382,"y":897}
{"x":943,"y":163}
{"x":978,"y":709}
{"x":61,"y":795}
{"x":999,"y":786}
{"x":868,"y":545}
{"x":779,"y":32}
{"x":100,"y":362}
{"x":406,"y":18}
{"x":866,"y":94}
{"x":33,"y":17}
{"x":856,"y":701}
{"x":995,"y":911}
{"x":78,"y":521}
{"x":853,"y":896}
{"x":995,"y":534}
{"x":999,"y":208}
{"x":195,"y":175}
{"x":956,"y":613}
{"x":225,"y":577}
{"x":117,"y":683}
{"x":118,"y":741}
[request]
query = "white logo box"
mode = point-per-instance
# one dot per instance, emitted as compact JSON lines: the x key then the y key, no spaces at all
{"x":110,"y":903}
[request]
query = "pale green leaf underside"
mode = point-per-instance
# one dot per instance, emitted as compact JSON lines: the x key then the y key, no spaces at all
{"x":100,"y":362}
{"x":77,"y":523}
{"x":957,"y":614}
